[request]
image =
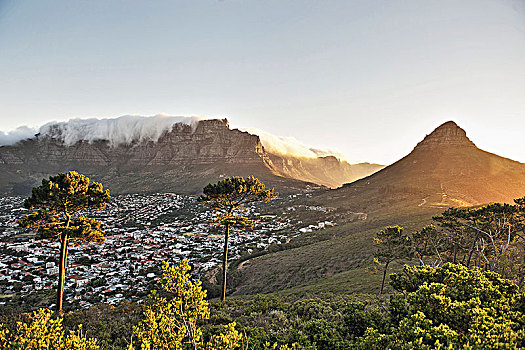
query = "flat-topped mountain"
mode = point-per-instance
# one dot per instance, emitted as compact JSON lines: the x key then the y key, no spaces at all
{"x":183,"y":158}
{"x":445,"y":169}
{"x":205,"y":143}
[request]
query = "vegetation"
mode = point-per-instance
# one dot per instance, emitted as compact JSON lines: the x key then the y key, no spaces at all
{"x":59,"y":205}
{"x":489,"y":237}
{"x":446,"y":307}
{"x":450,"y":307}
{"x":463,"y":291}
{"x":228,"y":199}
{"x":42,"y":332}
{"x":171,"y":322}
{"x":392,"y":245}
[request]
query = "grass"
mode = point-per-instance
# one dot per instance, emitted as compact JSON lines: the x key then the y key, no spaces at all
{"x":338,"y":259}
{"x":362,"y":280}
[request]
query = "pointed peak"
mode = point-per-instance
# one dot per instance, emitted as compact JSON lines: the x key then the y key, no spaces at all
{"x":449,"y":124}
{"x":447,"y":134}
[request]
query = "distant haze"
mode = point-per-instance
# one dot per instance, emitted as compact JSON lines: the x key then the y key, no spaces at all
{"x":290,"y":146}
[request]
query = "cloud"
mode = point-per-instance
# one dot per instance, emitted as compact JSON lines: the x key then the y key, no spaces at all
{"x":121,"y":130}
{"x":290,"y":146}
{"x":20,"y":133}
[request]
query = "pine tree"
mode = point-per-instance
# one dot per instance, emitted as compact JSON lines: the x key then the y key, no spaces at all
{"x":59,"y":204}
{"x":228,"y":199}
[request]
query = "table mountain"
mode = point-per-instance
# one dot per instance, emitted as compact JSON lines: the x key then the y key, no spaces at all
{"x":183,"y":159}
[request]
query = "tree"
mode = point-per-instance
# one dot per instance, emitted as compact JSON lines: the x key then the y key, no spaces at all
{"x":455,"y":236}
{"x":171,"y":323}
{"x":228,"y":199}
{"x":428,"y":243}
{"x":59,"y":204}
{"x":520,"y":202}
{"x":392,"y":245}
{"x":488,"y":237}
{"x":497,"y":224}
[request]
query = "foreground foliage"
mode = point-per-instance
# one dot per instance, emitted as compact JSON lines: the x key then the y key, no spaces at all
{"x":446,"y":307}
{"x":42,"y":332}
{"x":451,"y":307}
{"x":171,"y":322}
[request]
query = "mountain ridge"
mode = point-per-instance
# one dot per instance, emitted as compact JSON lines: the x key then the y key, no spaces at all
{"x":182,"y":159}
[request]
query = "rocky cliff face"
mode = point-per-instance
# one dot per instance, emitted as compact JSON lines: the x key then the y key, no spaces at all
{"x":448,"y":134}
{"x":183,"y":160}
{"x":328,"y":171}
{"x":211,"y":141}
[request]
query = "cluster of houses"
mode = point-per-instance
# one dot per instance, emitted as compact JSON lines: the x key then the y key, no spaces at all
{"x":141,"y":231}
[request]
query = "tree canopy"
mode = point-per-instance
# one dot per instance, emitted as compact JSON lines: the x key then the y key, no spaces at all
{"x":228,"y":199}
{"x":58,"y":201}
{"x":490,"y":237}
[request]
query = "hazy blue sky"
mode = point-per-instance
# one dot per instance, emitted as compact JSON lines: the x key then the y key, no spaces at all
{"x":369,"y":78}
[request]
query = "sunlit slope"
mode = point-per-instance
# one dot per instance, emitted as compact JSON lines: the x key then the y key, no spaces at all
{"x":445,"y":169}
{"x":342,"y":264}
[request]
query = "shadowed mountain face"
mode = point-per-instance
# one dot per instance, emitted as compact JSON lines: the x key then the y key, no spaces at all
{"x":445,"y":169}
{"x":183,"y":160}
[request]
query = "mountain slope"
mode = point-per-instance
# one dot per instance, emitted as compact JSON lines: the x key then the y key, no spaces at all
{"x":326,"y":170}
{"x":445,"y":169}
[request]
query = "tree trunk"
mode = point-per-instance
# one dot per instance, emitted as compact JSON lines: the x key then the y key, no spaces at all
{"x":61,"y":273}
{"x":384,"y":277}
{"x":471,"y":250}
{"x":522,"y":272}
{"x":225,"y":262}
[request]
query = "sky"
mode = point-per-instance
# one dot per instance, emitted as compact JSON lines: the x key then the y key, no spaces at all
{"x":369,"y":78}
